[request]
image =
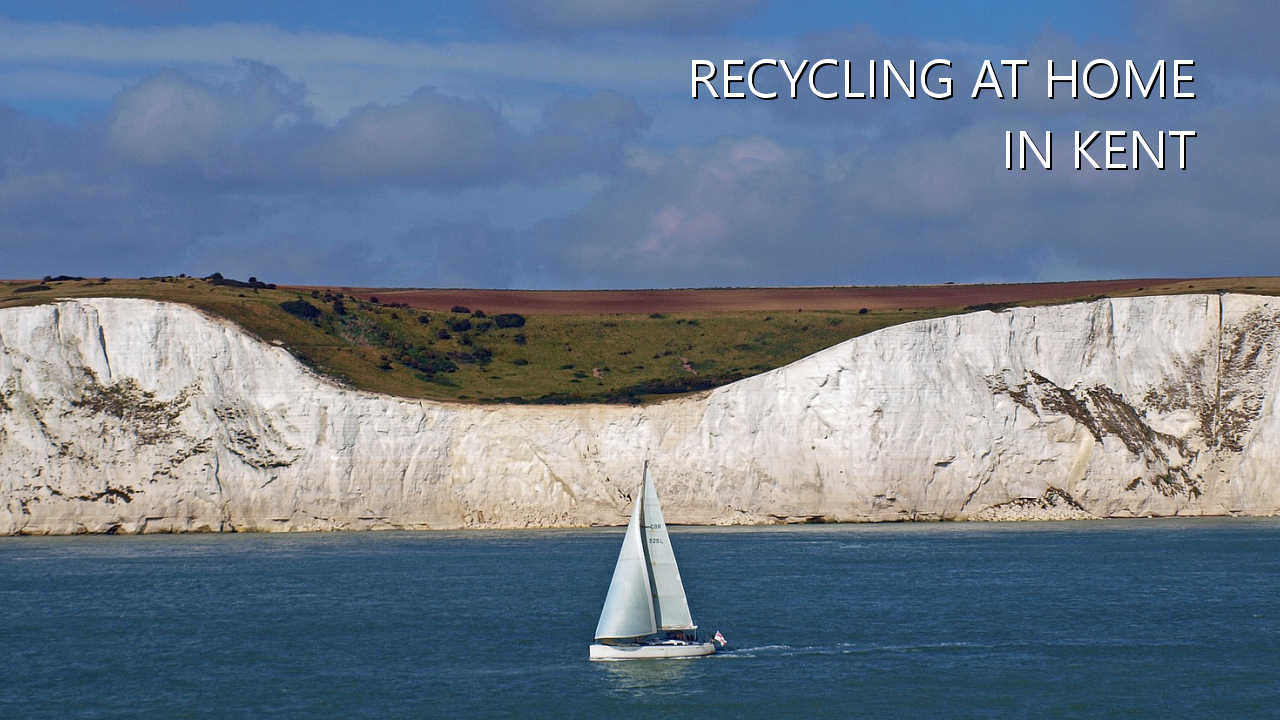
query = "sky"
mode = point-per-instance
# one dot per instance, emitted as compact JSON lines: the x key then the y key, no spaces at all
{"x":553,"y":144}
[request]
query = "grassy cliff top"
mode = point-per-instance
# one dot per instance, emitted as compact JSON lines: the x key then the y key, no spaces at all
{"x":573,"y":346}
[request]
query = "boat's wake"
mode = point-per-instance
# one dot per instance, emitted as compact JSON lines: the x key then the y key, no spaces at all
{"x":848,"y":648}
{"x":840,"y":649}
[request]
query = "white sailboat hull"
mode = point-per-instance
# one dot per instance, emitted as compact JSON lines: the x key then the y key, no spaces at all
{"x":646,"y":603}
{"x":650,"y":652}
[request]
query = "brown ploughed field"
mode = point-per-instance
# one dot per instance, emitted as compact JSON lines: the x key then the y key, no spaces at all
{"x":906,"y":297}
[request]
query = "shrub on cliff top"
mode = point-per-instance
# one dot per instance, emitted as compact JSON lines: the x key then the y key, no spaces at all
{"x":254,"y":283}
{"x":509,"y":320}
{"x":301,"y":308}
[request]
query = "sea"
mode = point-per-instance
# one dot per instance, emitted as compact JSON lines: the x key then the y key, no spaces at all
{"x":1094,"y":619}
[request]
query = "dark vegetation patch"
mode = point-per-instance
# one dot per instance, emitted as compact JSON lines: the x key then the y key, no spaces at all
{"x":429,"y":362}
{"x":993,"y":307}
{"x":477,"y":356}
{"x":253,"y":282}
{"x":151,"y":419}
{"x":509,"y":320}
{"x":301,"y":309}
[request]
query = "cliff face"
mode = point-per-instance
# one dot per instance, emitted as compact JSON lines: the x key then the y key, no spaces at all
{"x":138,"y":416}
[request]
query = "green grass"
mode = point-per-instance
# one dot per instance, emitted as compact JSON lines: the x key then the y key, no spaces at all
{"x":563,"y":358}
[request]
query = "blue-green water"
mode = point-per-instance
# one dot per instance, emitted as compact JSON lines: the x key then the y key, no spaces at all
{"x":1109,"y":619}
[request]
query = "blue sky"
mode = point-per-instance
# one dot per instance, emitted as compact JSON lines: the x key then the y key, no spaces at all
{"x":552,"y":143}
{"x":959,"y":19}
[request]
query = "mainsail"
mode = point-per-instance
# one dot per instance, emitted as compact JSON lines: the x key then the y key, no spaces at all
{"x":646,"y":593}
{"x":670,"y":606}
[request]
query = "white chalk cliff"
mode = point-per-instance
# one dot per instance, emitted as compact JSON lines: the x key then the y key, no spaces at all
{"x":139,"y":416}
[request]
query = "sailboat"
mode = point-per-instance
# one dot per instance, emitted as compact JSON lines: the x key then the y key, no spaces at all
{"x":646,"y":614}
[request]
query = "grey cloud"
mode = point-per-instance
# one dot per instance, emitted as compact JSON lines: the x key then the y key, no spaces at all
{"x":469,"y":254}
{"x":439,"y":254}
{"x":64,"y":221}
{"x":1235,"y":34}
{"x":185,"y":129}
{"x":260,"y":132}
{"x":915,"y":191}
{"x":907,"y":206}
{"x":666,"y":15}
{"x":429,"y":139}
{"x":287,"y":257}
{"x":588,"y":132}
{"x":728,"y":211}
{"x":179,"y":166}
{"x":67,"y":207}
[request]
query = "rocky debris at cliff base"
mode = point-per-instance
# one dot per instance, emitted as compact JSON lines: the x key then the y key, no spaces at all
{"x":1054,"y":504}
